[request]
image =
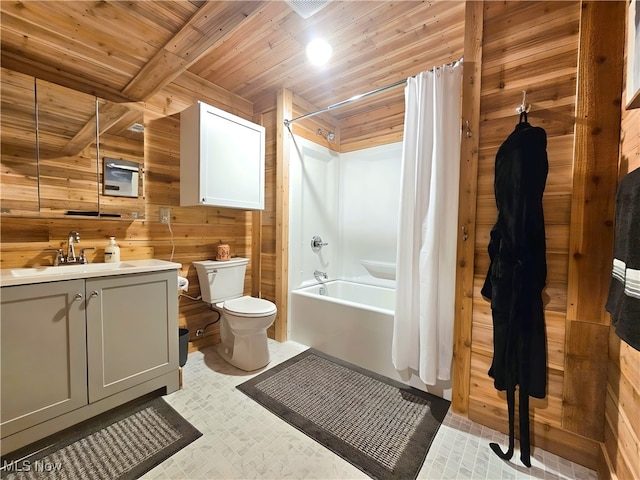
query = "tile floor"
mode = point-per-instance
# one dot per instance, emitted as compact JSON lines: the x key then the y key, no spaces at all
{"x":242,"y":440}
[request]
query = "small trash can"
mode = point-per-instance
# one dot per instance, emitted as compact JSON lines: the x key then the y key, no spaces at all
{"x":183,"y":345}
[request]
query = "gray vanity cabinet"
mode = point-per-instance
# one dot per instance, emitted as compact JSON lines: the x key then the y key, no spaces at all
{"x":44,"y":361}
{"x":129,"y":330}
{"x":75,"y":348}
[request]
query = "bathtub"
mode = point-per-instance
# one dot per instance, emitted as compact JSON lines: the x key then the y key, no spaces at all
{"x":351,"y":321}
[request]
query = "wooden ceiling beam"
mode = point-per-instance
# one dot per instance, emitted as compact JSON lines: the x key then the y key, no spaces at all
{"x":212,"y":23}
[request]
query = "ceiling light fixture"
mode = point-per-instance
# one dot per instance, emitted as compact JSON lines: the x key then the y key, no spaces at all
{"x":319,"y":51}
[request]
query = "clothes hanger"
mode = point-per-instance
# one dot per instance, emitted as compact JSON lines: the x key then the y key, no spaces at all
{"x":523,"y":118}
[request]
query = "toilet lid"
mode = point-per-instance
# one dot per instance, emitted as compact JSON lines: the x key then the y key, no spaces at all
{"x":249,"y":306}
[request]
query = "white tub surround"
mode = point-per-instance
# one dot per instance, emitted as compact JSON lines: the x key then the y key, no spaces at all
{"x":351,"y":200}
{"x":353,"y":322}
{"x":379,"y":269}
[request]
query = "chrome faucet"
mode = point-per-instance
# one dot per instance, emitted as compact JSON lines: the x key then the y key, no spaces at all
{"x":320,"y":276}
{"x":74,"y":237}
{"x":70,"y":258}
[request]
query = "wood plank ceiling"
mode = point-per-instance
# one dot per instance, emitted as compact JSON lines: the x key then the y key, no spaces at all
{"x":128,"y":50}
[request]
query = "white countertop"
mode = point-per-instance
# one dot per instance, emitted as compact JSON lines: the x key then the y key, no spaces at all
{"x":25,"y":276}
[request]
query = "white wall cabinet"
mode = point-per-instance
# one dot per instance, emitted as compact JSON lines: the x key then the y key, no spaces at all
{"x":76,"y":348}
{"x":221,"y":159}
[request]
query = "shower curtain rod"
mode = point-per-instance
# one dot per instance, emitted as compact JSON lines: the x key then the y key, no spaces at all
{"x":345,"y":102}
{"x":356,"y":98}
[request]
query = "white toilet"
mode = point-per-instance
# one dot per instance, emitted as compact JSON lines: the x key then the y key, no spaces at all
{"x":243,"y":319}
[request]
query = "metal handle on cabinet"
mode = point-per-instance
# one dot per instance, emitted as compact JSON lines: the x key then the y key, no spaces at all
{"x":94,"y":294}
{"x":78,"y":296}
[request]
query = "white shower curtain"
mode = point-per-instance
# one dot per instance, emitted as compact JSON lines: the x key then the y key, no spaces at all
{"x":427,"y":228}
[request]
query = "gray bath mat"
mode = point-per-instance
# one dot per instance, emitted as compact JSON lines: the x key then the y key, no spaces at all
{"x":382,"y":427}
{"x":123,"y":443}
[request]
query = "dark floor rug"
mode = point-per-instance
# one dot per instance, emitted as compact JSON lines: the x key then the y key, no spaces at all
{"x":382,"y":427}
{"x":123,"y":443}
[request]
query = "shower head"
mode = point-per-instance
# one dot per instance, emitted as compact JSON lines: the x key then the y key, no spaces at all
{"x":331,"y":136}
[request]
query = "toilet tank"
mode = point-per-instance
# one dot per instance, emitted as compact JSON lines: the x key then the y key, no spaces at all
{"x":220,"y":281}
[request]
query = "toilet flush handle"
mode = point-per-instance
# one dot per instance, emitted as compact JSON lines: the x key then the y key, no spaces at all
{"x":211,"y":275}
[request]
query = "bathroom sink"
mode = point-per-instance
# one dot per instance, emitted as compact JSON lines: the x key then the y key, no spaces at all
{"x":67,"y":269}
{"x":19,"y":276}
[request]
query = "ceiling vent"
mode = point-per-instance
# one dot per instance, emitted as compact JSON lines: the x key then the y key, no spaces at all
{"x":306,"y":8}
{"x":136,"y":128}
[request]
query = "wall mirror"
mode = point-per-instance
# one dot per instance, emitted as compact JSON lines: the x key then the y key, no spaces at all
{"x":67,"y":157}
{"x":53,"y":144}
{"x":19,"y":189}
{"x":121,"y":151}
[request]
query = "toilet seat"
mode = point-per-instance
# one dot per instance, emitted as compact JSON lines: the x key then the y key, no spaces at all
{"x":249,"y":307}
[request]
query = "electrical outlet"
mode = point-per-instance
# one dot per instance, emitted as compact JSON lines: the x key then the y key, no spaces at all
{"x":164,"y":214}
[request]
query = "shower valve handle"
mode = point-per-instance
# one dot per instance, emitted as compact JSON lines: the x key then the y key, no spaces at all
{"x":316,"y":243}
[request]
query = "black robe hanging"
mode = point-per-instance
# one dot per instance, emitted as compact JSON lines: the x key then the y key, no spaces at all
{"x":517,"y":276}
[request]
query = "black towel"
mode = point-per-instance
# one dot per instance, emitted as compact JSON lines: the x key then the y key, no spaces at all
{"x":623,"y":302}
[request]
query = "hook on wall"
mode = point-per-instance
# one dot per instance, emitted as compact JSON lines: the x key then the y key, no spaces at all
{"x":469,"y":132}
{"x":524,"y":107}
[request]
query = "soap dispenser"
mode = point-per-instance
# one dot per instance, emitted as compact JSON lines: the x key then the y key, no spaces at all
{"x":112,"y":251}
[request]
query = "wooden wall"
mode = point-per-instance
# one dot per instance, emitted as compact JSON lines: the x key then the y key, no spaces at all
{"x":266,"y":225}
{"x":525,"y":45}
{"x":194,"y":232}
{"x":272,"y":244}
{"x":548,"y":49}
{"x":622,"y":404}
{"x":530,"y":46}
{"x":544,"y":48}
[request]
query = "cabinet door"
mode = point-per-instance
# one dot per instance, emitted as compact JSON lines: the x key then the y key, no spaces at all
{"x":67,"y":151}
{"x":232,"y":161}
{"x":222,"y":159}
{"x":121,"y":134}
{"x":132,"y":330}
{"x":19,"y":180}
{"x":44,"y":364}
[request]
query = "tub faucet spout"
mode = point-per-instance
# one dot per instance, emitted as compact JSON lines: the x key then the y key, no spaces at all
{"x":320,"y":276}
